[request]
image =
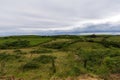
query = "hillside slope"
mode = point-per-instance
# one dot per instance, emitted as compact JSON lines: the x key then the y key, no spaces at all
{"x":64,"y":57}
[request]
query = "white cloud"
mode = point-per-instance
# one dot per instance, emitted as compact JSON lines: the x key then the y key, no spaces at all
{"x":36,"y":16}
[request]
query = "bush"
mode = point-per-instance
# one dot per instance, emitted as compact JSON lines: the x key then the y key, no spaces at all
{"x":91,"y":60}
{"x":19,"y":52}
{"x":109,"y":44}
{"x":57,"y":45}
{"x":93,"y":36}
{"x":44,"y":59}
{"x":75,"y":71}
{"x":39,"y":51}
{"x":30,"y":66}
{"x":84,"y":57}
{"x":113,"y":64}
{"x":90,"y":40}
{"x":8,"y":57}
{"x":15,"y":44}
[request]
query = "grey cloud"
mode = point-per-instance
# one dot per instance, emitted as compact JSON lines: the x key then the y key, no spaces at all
{"x":48,"y":14}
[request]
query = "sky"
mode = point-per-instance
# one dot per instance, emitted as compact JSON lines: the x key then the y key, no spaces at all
{"x":59,"y":17}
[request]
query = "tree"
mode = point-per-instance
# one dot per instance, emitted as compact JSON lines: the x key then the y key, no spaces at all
{"x":84,"y":56}
{"x":113,"y":64}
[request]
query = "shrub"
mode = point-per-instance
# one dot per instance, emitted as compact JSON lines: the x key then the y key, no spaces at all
{"x":39,"y":51}
{"x":113,"y":64}
{"x":91,"y":60}
{"x":8,"y":57}
{"x":110,"y":43}
{"x":15,"y":44}
{"x":19,"y":52}
{"x":57,"y":45}
{"x":74,"y":71}
{"x":90,"y":40}
{"x":93,"y":36}
{"x":44,"y":59}
{"x":84,"y":57}
{"x":30,"y":66}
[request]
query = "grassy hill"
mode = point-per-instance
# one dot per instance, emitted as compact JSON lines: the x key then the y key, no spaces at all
{"x":60,"y":57}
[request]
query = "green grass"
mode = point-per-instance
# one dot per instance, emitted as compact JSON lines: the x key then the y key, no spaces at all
{"x":70,"y":57}
{"x":34,"y":40}
{"x":114,"y":38}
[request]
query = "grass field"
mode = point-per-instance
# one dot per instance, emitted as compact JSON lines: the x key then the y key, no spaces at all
{"x":34,"y":40}
{"x":90,"y":57}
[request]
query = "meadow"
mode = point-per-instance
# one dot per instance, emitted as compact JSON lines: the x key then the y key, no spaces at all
{"x":65,"y":57}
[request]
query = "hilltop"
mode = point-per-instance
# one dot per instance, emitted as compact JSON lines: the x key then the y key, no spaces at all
{"x":65,"y":57}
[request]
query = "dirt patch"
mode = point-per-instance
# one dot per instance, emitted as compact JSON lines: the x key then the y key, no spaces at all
{"x":82,"y":77}
{"x":114,"y":77}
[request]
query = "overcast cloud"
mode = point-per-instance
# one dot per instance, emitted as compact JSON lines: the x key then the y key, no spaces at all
{"x":43,"y":17}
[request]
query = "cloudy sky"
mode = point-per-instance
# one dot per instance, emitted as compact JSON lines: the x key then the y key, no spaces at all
{"x":50,"y":17}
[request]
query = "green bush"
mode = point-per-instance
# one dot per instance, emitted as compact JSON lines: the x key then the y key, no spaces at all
{"x":19,"y":52}
{"x":93,"y":36}
{"x":109,"y":44}
{"x":8,"y":57}
{"x":113,"y":64}
{"x":57,"y":45}
{"x":74,"y":71}
{"x":44,"y":59}
{"x":40,"y":51}
{"x":15,"y":44}
{"x":30,"y":66}
{"x":84,"y":56}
